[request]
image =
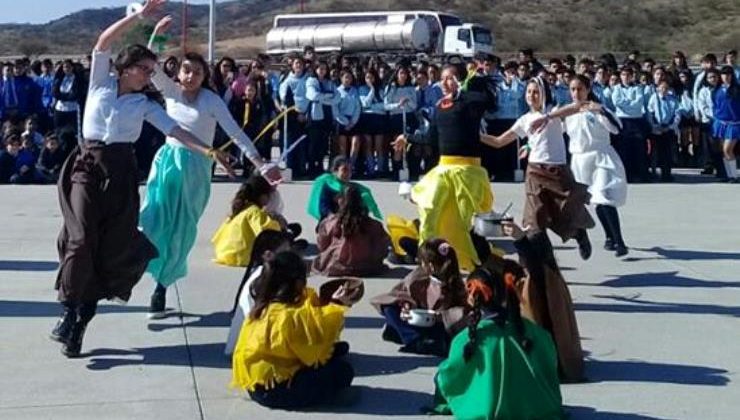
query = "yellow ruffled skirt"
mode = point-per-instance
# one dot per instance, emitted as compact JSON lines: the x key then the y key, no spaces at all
{"x":447,"y":198}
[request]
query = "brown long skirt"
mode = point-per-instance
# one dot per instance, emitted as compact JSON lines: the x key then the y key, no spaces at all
{"x":102,"y":253}
{"x":556,"y":201}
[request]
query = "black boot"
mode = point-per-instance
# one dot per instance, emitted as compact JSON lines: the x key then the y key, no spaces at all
{"x":73,"y":345}
{"x":63,"y":328}
{"x":584,"y":244}
{"x":158,"y":303}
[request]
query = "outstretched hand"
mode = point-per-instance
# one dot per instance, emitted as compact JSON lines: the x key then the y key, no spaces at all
{"x":163,"y":24}
{"x":151,"y":6}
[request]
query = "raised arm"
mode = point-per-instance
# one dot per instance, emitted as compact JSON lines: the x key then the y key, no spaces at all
{"x":116,"y":30}
{"x":160,"y":79}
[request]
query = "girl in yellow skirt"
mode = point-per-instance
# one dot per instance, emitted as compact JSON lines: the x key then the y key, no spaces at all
{"x":452,"y":192}
{"x":287,"y":355}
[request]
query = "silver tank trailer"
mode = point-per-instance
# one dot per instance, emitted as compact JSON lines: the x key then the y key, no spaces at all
{"x":412,"y":35}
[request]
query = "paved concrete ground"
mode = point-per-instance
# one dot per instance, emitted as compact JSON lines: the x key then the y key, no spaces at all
{"x":661,"y":327}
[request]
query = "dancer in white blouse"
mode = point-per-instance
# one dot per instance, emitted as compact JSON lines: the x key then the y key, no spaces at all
{"x":554,"y":199}
{"x":102,"y":253}
{"x":594,"y":161}
{"x":179,"y":183}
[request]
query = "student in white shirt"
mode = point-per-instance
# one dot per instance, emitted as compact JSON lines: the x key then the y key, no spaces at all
{"x":179,"y":183}
{"x":594,"y":161}
{"x":102,"y":253}
{"x":554,"y":199}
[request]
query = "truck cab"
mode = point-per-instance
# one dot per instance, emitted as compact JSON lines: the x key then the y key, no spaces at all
{"x":467,"y":40}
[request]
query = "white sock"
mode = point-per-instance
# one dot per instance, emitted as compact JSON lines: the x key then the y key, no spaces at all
{"x":731,"y":168}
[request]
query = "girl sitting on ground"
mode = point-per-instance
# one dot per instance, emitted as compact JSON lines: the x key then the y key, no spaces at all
{"x":501,"y":366}
{"x":435,"y":285}
{"x":350,"y":242}
{"x":327,"y":188}
{"x":287,"y":355}
{"x":235,"y":237}
{"x":267,"y":244}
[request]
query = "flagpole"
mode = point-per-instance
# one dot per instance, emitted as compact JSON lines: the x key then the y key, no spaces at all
{"x":212,"y":33}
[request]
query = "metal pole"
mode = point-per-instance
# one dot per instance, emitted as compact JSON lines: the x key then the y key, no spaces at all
{"x":184,"y":27}
{"x":212,"y":33}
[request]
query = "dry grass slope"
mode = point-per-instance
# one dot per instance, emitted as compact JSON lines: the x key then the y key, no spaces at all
{"x":656,"y":26}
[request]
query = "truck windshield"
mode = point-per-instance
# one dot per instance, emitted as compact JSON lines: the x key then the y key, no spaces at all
{"x":482,"y":36}
{"x":449,"y":20}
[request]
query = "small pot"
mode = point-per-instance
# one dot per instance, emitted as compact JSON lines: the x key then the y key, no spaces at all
{"x":422,"y":318}
{"x":488,"y":225}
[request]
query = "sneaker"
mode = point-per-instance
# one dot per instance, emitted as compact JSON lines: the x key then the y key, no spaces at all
{"x":609,"y":245}
{"x":157,"y":306}
{"x":426,"y":346}
{"x":621,"y":250}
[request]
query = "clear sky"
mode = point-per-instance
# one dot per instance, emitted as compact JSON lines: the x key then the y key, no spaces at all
{"x":42,"y":11}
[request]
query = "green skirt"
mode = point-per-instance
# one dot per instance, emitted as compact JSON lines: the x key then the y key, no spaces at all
{"x":177,"y":193}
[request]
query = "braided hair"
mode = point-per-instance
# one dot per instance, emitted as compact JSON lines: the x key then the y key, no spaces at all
{"x":489,"y":290}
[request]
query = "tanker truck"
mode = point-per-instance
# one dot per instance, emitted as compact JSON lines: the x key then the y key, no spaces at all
{"x":397,"y":32}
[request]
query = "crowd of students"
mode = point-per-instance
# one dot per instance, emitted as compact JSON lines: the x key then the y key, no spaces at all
{"x":355,"y":106}
{"x":505,"y":327}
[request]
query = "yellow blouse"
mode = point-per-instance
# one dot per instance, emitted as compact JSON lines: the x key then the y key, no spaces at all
{"x":233,"y":240}
{"x":286,"y":338}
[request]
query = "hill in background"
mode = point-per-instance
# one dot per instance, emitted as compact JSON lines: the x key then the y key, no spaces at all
{"x":657,"y":27}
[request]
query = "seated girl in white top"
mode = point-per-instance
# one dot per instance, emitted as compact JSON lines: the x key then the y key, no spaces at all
{"x":554,"y":199}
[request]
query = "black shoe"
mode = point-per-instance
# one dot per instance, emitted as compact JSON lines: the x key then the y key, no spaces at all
{"x":73,"y":345}
{"x":410,"y":246}
{"x":295,"y":229}
{"x":426,"y":346}
{"x":157,"y":305}
{"x":63,"y":328}
{"x":390,"y":334}
{"x":584,"y":245}
{"x":609,"y":245}
{"x":708,"y":171}
{"x":341,"y":348}
{"x":621,"y":251}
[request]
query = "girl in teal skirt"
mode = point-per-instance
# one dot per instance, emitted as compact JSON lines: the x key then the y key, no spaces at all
{"x":178,"y":187}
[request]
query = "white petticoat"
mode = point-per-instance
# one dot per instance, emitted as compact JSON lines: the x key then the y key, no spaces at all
{"x":603,"y":172}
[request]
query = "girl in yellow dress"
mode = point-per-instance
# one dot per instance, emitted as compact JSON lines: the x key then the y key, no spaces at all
{"x":287,"y":355}
{"x":234,"y":239}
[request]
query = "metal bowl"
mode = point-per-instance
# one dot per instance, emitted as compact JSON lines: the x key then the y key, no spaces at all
{"x":488,"y":224}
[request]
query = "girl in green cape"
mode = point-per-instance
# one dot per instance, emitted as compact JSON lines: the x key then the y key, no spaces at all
{"x":502,"y":366}
{"x":326,"y":189}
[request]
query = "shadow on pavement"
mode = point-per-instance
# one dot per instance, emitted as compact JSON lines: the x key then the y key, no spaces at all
{"x":12,"y":265}
{"x":641,"y":371}
{"x":684,"y":255}
{"x":364,"y":322}
{"x":375,"y":364}
{"x":216,"y":319}
{"x":590,"y":413}
{"x":22,"y":308}
{"x":378,"y":401}
{"x":662,"y":279}
{"x":200,"y":355}
{"x":635,"y":306}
